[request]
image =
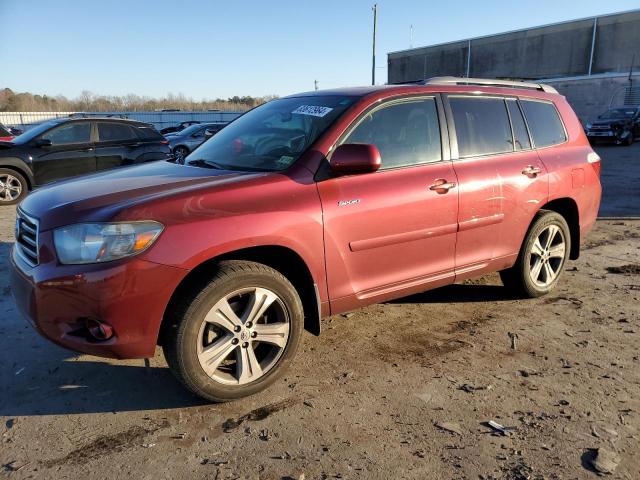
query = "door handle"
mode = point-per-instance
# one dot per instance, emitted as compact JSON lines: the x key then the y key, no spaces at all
{"x":531,"y":171}
{"x":442,"y":186}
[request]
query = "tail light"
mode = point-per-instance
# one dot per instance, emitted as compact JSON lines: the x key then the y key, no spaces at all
{"x":164,"y":142}
{"x":594,"y":159}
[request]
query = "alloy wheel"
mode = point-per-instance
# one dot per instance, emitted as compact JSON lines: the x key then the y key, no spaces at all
{"x":547,"y":256}
{"x":243,"y":336}
{"x":10,"y":188}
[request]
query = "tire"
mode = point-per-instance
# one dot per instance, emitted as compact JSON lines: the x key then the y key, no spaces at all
{"x":629,"y":141}
{"x":13,"y":187}
{"x":213,"y":342}
{"x":180,"y":153}
{"x":548,"y":257}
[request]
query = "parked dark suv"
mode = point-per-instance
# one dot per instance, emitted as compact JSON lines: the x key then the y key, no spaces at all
{"x":69,"y":147}
{"x":619,"y":125}
{"x":307,"y":206}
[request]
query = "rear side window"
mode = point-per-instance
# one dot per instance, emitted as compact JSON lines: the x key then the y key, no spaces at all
{"x":482,"y":126}
{"x":147,"y":132}
{"x":544,"y":123}
{"x":406,"y":133}
{"x":520,"y":134}
{"x":108,"y":132}
{"x":74,"y":132}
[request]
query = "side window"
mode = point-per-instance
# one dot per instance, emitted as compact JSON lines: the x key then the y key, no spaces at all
{"x":70,"y":133}
{"x":520,"y":134}
{"x":482,"y":126}
{"x":109,"y":132}
{"x":406,"y":133}
{"x":544,"y":123}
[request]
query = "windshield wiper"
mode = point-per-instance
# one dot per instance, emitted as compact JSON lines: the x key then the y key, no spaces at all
{"x":206,"y":164}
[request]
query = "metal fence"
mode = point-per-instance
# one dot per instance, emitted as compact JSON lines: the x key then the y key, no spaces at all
{"x":27,"y":120}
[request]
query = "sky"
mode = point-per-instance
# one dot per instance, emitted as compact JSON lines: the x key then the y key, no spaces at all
{"x":217,"y":49}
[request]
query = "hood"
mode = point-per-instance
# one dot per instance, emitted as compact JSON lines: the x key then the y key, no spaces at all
{"x":99,"y":197}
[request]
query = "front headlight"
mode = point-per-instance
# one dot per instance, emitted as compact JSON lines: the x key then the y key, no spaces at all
{"x":103,"y":242}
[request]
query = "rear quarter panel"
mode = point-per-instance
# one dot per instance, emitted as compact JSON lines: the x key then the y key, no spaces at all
{"x":570,"y":173}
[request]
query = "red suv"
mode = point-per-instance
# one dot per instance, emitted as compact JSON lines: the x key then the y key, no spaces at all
{"x":304,"y":207}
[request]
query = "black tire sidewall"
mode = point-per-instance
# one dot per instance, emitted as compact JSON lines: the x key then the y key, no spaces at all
{"x":23,"y":182}
{"x":543,"y":221}
{"x":186,"y":340}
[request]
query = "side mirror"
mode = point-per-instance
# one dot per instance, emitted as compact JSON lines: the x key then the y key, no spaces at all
{"x":355,"y":158}
{"x":43,"y":142}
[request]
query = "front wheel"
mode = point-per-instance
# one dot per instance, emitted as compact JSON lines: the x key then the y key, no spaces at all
{"x":180,"y":153}
{"x":542,"y":257}
{"x":237,"y":335}
{"x":13,"y":187}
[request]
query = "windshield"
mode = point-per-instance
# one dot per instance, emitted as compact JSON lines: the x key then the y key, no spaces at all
{"x":34,"y":132}
{"x":272,"y":136}
{"x":619,"y":113}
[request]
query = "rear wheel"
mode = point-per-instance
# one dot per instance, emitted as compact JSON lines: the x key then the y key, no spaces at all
{"x":237,"y":335}
{"x":13,"y":187}
{"x":542,"y":257}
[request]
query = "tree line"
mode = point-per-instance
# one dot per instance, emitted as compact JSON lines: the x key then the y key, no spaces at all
{"x":87,"y":101}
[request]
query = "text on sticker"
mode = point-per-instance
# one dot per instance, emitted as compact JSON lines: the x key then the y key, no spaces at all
{"x":313,"y":110}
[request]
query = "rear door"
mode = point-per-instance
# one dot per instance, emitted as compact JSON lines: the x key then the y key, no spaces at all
{"x":117,"y":145}
{"x":72,"y":153}
{"x":389,"y":231}
{"x":502,"y":181}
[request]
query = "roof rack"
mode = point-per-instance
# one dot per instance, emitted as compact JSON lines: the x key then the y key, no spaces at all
{"x":487,"y":82}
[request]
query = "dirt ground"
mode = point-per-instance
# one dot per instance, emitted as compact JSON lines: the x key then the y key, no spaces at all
{"x":397,"y":390}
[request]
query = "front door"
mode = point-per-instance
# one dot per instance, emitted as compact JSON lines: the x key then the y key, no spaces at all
{"x":393,"y":230}
{"x":71,"y":153}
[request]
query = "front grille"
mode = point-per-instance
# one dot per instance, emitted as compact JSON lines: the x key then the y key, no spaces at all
{"x":27,"y":238}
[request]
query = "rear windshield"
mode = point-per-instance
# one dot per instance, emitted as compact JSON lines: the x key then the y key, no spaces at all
{"x":544,"y":123}
{"x":272,"y":136}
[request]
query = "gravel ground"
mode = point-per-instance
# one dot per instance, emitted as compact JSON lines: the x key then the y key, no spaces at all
{"x":397,"y":390}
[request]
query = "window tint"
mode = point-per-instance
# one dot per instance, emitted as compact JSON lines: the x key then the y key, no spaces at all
{"x":114,"y":131}
{"x":406,"y":133}
{"x":70,"y":133}
{"x":482,"y":126}
{"x":544,"y":123}
{"x":520,"y":134}
{"x":148,"y":133}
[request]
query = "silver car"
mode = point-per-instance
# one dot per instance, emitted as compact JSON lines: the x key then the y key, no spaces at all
{"x":186,"y":141}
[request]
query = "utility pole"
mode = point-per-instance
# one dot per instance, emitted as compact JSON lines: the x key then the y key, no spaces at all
{"x":373,"y":63}
{"x":411,"y":36}
{"x":315,"y":83}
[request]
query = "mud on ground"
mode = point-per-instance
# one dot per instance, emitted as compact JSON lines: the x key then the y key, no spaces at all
{"x":397,"y":390}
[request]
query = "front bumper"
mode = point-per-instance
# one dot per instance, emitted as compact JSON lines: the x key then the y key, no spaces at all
{"x":131,"y":296}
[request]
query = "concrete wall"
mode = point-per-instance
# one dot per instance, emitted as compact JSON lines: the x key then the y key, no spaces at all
{"x":590,"y":97}
{"x":551,"y":51}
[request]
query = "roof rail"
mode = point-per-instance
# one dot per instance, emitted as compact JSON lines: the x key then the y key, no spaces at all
{"x":487,"y":82}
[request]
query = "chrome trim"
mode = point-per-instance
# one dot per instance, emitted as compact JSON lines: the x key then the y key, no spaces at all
{"x":28,"y":248}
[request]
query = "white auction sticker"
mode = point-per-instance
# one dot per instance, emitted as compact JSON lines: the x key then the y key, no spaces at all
{"x":313,"y":110}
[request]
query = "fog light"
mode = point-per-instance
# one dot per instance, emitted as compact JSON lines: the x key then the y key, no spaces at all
{"x":98,"y":330}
